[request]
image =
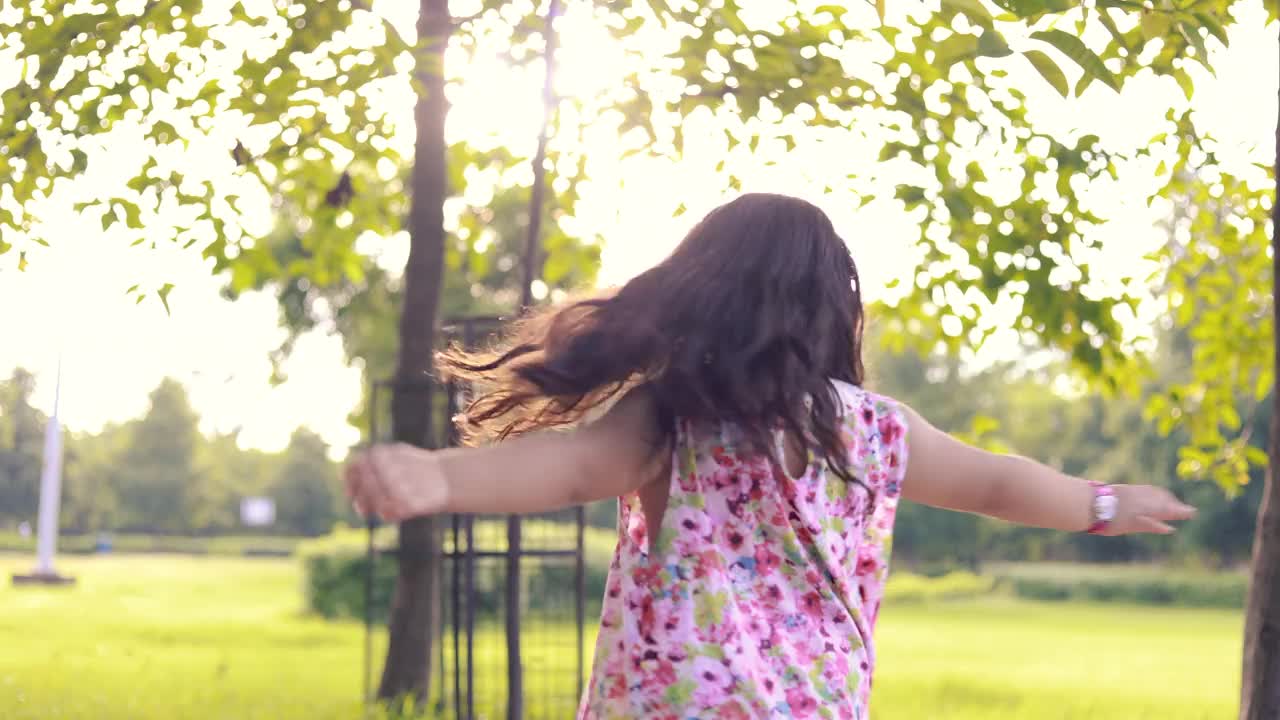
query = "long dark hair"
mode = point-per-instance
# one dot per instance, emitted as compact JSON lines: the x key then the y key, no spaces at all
{"x":757,"y":310}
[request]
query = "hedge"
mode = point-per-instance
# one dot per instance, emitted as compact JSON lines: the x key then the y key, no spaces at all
{"x":138,"y":543}
{"x":1139,"y":585}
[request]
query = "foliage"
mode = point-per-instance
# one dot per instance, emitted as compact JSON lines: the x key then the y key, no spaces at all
{"x":1089,"y":436}
{"x":299,"y":91}
{"x":160,"y":474}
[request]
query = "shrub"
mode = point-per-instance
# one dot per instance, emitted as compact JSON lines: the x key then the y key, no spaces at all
{"x":1141,"y":585}
{"x":908,"y":588}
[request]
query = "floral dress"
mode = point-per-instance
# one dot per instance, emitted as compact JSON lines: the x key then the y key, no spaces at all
{"x":759,"y":596}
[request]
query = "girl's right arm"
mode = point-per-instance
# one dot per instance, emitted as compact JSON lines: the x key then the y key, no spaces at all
{"x":944,"y":472}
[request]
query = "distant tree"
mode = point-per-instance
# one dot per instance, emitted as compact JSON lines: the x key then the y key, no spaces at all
{"x":158,"y":472}
{"x":305,"y":488}
{"x":21,"y":444}
{"x":91,"y":478}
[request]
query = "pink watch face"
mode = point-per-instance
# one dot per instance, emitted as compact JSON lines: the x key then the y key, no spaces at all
{"x":1104,"y":508}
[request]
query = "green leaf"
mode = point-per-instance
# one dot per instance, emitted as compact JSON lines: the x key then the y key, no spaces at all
{"x":1256,"y":455}
{"x":1110,"y":25}
{"x":1048,"y":69}
{"x":163,"y":292}
{"x":132,"y":215}
{"x":161,"y":129}
{"x":1083,"y":83}
{"x":132,"y":289}
{"x":880,"y":10}
{"x":954,"y":49}
{"x":992,"y":44}
{"x":1074,"y":48}
{"x":1155,"y":24}
{"x":79,"y":161}
{"x":1192,"y":33}
{"x":972,"y":9}
{"x":1211,"y":23}
{"x":1186,"y":83}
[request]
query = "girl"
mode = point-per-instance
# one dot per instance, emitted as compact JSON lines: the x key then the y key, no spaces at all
{"x":757,"y":480}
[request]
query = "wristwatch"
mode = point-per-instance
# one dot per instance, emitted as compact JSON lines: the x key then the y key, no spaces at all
{"x":1104,"y":507}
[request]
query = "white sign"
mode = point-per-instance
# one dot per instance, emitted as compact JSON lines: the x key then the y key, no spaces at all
{"x":257,"y":511}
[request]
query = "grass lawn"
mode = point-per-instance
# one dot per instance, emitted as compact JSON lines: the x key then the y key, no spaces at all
{"x":151,"y":637}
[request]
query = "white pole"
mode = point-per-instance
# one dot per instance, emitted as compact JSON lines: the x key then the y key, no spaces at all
{"x":50,"y":487}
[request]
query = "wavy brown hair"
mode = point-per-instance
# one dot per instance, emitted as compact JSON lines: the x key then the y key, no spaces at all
{"x":757,"y":309}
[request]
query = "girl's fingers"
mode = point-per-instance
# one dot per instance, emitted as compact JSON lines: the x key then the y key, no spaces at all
{"x":1148,"y":524}
{"x":1178,"y":510}
{"x":371,"y":494}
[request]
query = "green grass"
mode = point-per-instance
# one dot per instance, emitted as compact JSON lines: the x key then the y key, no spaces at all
{"x":151,"y":637}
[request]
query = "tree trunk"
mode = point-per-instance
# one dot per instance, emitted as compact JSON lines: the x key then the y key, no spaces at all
{"x":1260,"y":689}
{"x":415,"y":605}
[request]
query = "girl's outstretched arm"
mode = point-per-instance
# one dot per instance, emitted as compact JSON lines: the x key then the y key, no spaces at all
{"x":946,"y":473}
{"x":539,"y":472}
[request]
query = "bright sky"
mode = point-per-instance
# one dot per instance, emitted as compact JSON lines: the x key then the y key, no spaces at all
{"x":114,"y":352}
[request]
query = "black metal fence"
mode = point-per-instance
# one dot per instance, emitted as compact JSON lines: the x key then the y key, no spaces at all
{"x":513,"y":590}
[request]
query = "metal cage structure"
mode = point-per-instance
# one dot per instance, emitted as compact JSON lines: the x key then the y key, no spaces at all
{"x":511,"y":640}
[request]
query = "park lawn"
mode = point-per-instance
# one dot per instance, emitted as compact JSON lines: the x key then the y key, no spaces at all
{"x":151,"y":637}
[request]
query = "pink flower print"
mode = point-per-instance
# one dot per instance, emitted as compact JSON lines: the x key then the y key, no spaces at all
{"x":766,"y":560}
{"x":648,"y":619}
{"x":713,"y":680}
{"x":721,"y":457}
{"x":617,"y":687}
{"x":661,"y":672}
{"x":734,"y":536}
{"x":836,"y":668}
{"x":811,"y":604}
{"x":688,"y":482}
{"x":637,"y":530}
{"x":647,"y":576}
{"x":707,"y":562}
{"x":801,"y":703}
{"x":867,"y":563}
{"x":732,"y":711}
{"x":692,"y":523}
{"x":890,"y":430}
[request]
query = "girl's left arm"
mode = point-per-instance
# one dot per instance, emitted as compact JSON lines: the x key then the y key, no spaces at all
{"x":539,"y":472}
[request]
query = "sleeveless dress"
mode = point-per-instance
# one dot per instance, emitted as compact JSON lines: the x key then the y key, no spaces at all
{"x":759,"y":596}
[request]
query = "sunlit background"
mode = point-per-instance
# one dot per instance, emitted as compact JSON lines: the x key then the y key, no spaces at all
{"x":71,"y":299}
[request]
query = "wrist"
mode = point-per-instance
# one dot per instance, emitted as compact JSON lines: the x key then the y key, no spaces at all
{"x":437,"y":465}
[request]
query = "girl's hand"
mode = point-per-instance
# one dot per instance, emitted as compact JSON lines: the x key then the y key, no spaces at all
{"x":1146,"y":509}
{"x":396,"y":482}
